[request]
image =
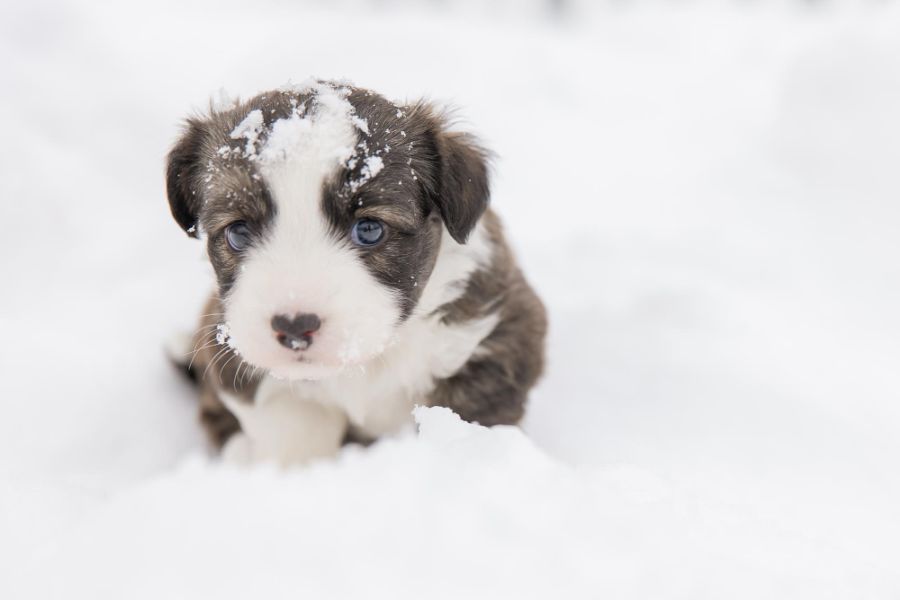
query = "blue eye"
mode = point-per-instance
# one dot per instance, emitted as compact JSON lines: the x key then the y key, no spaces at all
{"x":238,"y":236}
{"x":367,"y":232}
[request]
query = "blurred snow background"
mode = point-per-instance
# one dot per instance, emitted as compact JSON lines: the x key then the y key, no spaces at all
{"x":706,"y":195}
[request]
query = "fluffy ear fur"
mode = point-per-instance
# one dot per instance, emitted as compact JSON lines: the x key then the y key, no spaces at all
{"x":182,"y":178}
{"x":463,"y":184}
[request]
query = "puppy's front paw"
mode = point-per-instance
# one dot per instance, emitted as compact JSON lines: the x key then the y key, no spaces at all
{"x":238,"y":450}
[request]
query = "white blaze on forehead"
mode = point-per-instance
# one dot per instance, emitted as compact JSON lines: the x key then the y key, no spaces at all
{"x":301,"y":152}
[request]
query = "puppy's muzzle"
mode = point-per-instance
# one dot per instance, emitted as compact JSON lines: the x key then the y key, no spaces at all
{"x":296,"y":333}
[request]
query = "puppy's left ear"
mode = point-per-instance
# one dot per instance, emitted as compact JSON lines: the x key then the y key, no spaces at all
{"x":463,"y":185}
{"x":183,"y":177}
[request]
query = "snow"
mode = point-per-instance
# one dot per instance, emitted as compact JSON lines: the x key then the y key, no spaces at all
{"x":705,"y":196}
{"x":372,"y":166}
{"x":249,"y":129}
{"x":320,"y":135}
{"x":223,"y":336}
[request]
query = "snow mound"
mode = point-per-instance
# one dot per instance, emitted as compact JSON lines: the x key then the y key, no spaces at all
{"x":458,"y":510}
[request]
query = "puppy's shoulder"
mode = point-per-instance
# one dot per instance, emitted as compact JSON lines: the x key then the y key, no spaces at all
{"x":492,"y":386}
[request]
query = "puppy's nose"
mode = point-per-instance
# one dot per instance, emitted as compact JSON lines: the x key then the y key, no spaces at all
{"x":295,"y":332}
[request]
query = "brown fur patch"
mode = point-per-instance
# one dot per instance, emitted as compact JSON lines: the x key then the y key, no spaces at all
{"x":492,"y":387}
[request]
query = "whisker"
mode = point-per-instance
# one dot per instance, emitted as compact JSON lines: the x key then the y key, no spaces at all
{"x":234,"y":382}
{"x":207,"y":341}
{"x":249,"y":369}
{"x":253,"y":372}
{"x":218,"y":354}
{"x":222,"y":368}
{"x":234,"y":379}
{"x":209,"y":344}
{"x":214,"y":314}
{"x":205,"y":336}
{"x":194,"y":354}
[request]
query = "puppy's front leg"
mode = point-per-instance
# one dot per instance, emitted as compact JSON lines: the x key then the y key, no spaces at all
{"x":279,"y":427}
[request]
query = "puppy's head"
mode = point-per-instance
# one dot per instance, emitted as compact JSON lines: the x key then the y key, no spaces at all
{"x":323,"y":208}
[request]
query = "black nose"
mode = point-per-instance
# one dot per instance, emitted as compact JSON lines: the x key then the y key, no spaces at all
{"x":295,"y":333}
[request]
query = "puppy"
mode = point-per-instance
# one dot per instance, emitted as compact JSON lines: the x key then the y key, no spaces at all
{"x":360,"y":272}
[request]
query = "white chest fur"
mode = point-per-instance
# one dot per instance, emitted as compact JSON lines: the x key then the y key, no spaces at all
{"x":379,"y":398}
{"x":294,"y":421}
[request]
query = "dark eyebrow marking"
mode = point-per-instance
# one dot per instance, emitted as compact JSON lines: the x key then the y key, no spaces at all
{"x":235,"y":197}
{"x":401,"y":215}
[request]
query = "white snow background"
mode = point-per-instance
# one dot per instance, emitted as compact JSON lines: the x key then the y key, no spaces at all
{"x":706,"y":196}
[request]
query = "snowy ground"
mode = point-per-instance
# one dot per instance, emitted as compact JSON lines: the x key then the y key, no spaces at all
{"x":707,"y":198}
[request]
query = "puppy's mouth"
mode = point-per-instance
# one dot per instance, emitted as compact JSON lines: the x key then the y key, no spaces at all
{"x":302,"y":368}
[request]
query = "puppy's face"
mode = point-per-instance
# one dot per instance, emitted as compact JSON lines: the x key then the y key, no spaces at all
{"x":323,"y":208}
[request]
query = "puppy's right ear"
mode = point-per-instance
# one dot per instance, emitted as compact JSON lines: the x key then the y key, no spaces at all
{"x":183,"y":177}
